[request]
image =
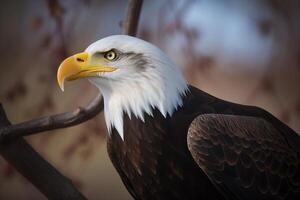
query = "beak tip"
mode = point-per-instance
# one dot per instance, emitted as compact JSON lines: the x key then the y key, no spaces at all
{"x":61,"y":86}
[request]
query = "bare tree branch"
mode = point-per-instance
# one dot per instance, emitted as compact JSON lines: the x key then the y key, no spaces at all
{"x":80,"y":114}
{"x":47,"y":123}
{"x":26,"y":160}
{"x":38,"y":171}
{"x":130,"y":23}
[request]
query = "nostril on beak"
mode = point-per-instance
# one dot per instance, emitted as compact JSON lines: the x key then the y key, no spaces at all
{"x":79,"y":59}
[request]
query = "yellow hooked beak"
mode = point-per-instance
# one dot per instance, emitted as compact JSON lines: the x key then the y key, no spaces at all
{"x":77,"y":66}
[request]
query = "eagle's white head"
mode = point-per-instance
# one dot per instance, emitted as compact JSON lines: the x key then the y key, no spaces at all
{"x":133,"y":76}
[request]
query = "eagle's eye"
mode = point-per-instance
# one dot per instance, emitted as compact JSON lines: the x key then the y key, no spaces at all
{"x":110,"y":55}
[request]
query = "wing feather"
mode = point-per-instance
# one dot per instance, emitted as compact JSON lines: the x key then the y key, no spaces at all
{"x":245,"y":156}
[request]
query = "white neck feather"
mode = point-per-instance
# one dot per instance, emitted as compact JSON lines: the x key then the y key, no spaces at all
{"x":139,"y":95}
{"x":138,"y":87}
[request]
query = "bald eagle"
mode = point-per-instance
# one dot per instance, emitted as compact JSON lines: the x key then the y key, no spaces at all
{"x":170,"y":140}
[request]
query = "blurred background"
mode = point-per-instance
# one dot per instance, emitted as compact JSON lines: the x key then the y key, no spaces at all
{"x":245,"y":51}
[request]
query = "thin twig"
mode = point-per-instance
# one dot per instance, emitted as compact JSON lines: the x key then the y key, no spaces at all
{"x":47,"y":123}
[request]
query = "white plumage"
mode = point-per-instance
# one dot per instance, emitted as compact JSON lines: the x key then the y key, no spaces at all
{"x":135,"y":89}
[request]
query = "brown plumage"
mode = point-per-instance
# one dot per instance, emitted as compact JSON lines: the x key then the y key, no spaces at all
{"x":208,"y":149}
{"x":244,"y":156}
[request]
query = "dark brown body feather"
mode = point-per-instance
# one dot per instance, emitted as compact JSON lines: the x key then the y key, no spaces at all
{"x":154,"y":161}
{"x":245,"y":157}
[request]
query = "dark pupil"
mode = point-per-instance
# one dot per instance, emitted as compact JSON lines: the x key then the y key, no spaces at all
{"x":110,"y":55}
